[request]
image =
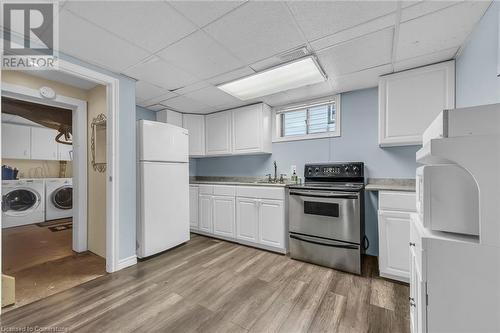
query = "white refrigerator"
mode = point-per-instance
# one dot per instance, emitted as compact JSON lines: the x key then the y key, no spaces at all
{"x":163,"y":187}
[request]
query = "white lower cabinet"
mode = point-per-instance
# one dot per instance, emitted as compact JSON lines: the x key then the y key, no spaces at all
{"x":223,"y":216}
{"x":247,"y":219}
{"x":205,"y":213}
{"x":394,"y":213}
{"x":394,"y":234}
{"x":272,"y":223}
{"x":256,"y":219}
{"x":193,"y":207}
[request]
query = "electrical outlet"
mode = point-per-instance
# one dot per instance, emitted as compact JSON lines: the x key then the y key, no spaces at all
{"x":293,"y":169}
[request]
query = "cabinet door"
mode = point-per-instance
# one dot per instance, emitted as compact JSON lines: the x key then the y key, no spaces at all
{"x":223,"y":216}
{"x":43,"y":144}
{"x":410,"y":100}
{"x":64,"y":152}
{"x":218,"y":133}
{"x":193,"y":207}
{"x":394,"y":236}
{"x":195,"y":124}
{"x":205,"y":213}
{"x":247,"y":129}
{"x":272,"y":223}
{"x":16,"y":140}
{"x":413,"y":293}
{"x":247,"y":219}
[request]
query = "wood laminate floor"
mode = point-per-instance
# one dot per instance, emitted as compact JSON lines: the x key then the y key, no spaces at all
{"x":209,"y":285}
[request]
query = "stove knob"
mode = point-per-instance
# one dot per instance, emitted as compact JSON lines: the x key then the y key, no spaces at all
{"x":316,"y":170}
{"x":355,"y":169}
{"x":346,"y":168}
{"x":310,"y":171}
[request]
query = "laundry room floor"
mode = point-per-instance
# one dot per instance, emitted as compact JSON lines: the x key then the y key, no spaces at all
{"x":41,"y":260}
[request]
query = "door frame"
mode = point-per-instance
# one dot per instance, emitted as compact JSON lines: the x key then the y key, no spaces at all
{"x":79,"y":123}
{"x":112,"y":85}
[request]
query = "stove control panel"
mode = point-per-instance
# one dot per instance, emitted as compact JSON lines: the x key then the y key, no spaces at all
{"x":334,"y":170}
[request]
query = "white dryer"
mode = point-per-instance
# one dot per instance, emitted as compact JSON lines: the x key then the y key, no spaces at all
{"x":58,"y":198}
{"x":23,"y":202}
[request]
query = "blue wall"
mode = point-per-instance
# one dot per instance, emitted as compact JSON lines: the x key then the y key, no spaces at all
{"x":358,"y":142}
{"x":476,"y":66}
{"x":142,"y":113}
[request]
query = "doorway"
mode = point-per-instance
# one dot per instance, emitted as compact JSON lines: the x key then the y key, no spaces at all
{"x":108,"y":101}
{"x":46,"y":237}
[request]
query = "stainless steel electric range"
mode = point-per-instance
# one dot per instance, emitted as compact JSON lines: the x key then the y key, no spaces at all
{"x":326,"y":216}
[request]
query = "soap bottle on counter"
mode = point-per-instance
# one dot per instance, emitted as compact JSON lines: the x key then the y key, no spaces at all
{"x":294,"y":177}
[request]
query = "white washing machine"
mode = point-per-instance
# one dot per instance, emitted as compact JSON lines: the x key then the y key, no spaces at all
{"x":58,"y":198}
{"x":23,"y":202}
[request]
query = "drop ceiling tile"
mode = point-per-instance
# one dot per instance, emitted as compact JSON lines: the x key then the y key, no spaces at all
{"x":192,"y":87}
{"x":358,"y":54}
{"x":185,"y":104}
{"x":424,"y":8}
{"x":90,"y":43}
{"x":309,"y":92}
{"x":438,"y":31}
{"x":146,"y":91}
{"x":321,"y":18}
{"x":161,"y":73}
{"x":427,"y":59}
{"x":204,"y":12}
{"x":257,"y":30}
{"x":157,"y":99}
{"x":355,"y":32}
{"x":201,"y":55}
{"x":212,"y":96}
{"x":230,"y":76}
{"x":149,"y":24}
{"x":360,"y":80}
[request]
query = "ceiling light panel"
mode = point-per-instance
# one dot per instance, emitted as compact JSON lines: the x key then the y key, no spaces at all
{"x":291,"y":75}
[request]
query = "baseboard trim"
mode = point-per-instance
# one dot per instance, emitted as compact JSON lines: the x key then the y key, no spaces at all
{"x":126,"y":262}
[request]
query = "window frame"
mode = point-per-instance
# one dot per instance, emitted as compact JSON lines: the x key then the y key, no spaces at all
{"x":277,"y":123}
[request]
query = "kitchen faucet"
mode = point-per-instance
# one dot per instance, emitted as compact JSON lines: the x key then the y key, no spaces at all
{"x":275,"y":172}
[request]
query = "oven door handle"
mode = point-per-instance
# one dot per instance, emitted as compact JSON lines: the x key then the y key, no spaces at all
{"x":341,"y":246}
{"x":317,"y":194}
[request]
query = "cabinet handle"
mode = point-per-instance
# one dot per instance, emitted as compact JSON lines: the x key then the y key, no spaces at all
{"x":412,"y":244}
{"x":412,"y":304}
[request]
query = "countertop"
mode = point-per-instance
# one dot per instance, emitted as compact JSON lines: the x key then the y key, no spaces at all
{"x":373,"y":184}
{"x":390,"y":184}
{"x":245,"y":181}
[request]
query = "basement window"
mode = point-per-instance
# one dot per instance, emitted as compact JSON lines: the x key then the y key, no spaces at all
{"x":312,"y":120}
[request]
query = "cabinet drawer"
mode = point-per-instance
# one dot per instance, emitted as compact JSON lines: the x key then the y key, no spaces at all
{"x":261,"y":192}
{"x":206,"y":189}
{"x":224,"y":190}
{"x":399,"y":201}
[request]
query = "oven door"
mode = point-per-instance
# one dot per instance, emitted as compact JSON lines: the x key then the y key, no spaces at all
{"x":326,"y":214}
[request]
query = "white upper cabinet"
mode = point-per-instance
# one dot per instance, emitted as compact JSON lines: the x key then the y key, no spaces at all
{"x":195,"y":124}
{"x":252,"y":129}
{"x":218,"y":133}
{"x":64,"y":152}
{"x":169,"y":116}
{"x":410,"y":100}
{"x":43,"y":144}
{"x":16,"y":141}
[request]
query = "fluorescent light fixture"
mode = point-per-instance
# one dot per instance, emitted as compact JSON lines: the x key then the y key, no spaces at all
{"x":295,"y":74}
